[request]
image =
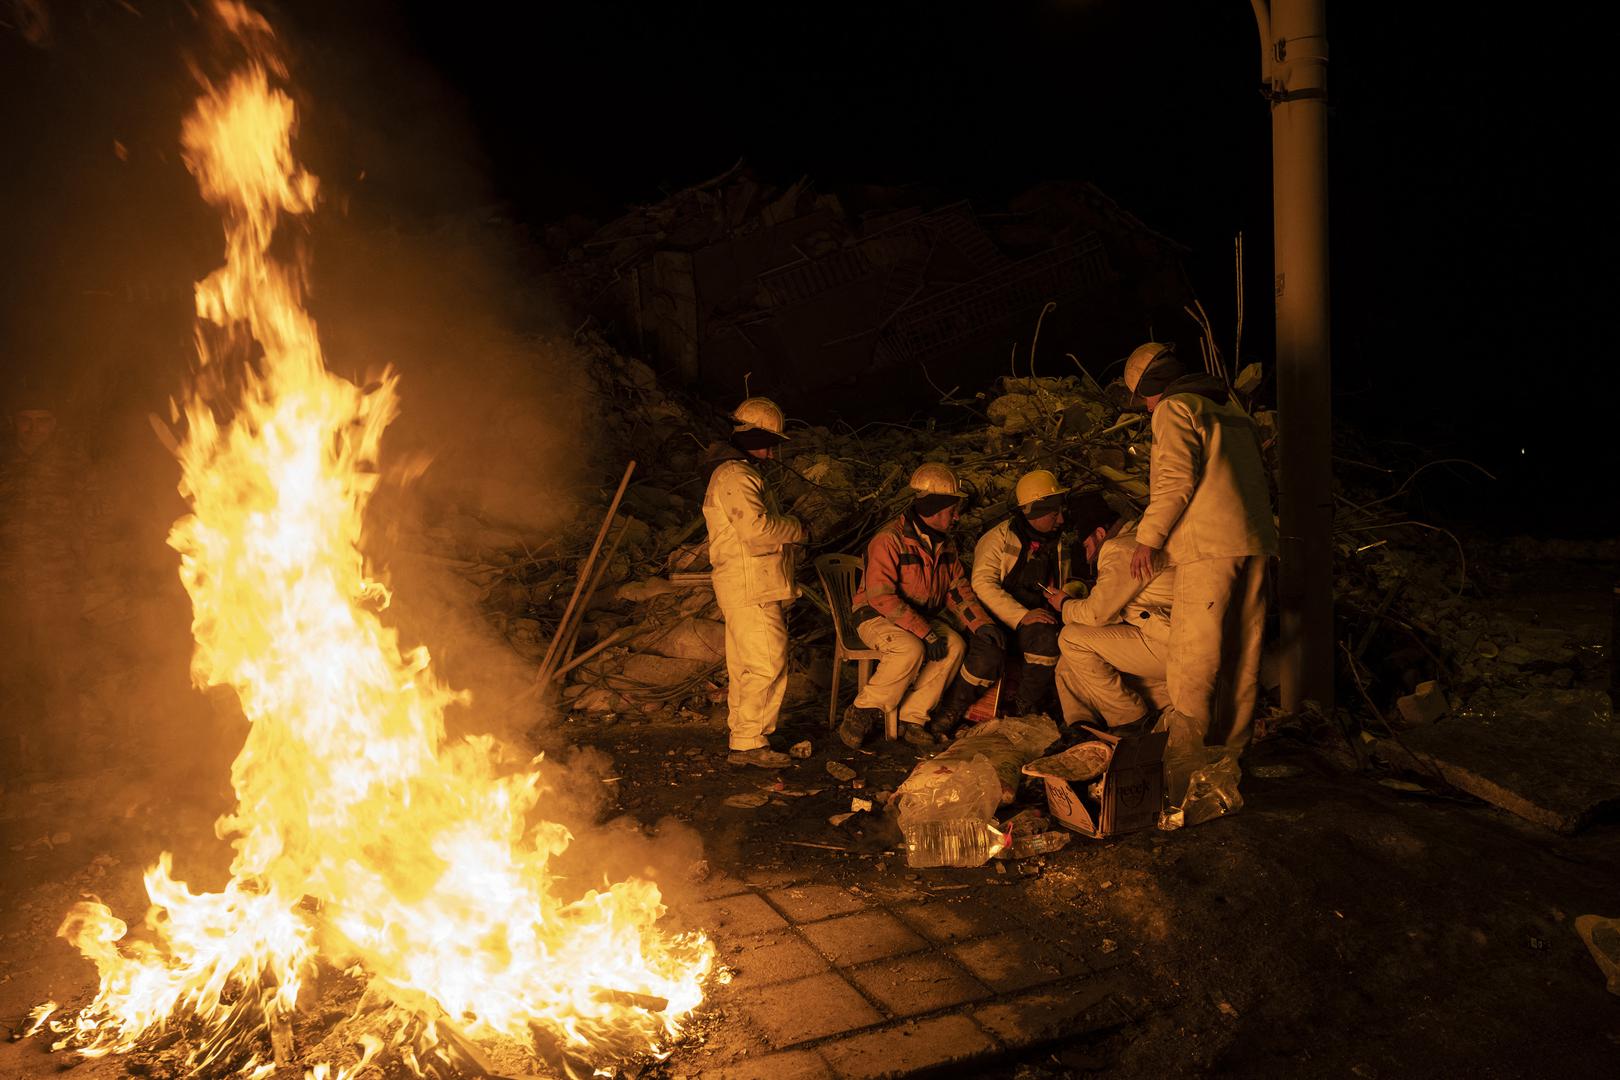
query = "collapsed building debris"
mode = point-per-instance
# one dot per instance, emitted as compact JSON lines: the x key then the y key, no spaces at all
{"x":801,"y":293}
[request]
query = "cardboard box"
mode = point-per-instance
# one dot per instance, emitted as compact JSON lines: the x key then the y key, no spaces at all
{"x":1130,"y":794}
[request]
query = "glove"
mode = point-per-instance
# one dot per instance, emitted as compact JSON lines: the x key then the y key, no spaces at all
{"x":935,"y":646}
{"x":991,"y":634}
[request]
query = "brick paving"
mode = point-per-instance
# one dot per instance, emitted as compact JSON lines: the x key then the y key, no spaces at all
{"x":836,"y":983}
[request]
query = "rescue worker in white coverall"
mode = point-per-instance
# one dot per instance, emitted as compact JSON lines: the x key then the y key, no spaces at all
{"x":753,"y":549}
{"x":914,"y":605}
{"x":1014,"y":564}
{"x":1116,"y":638}
{"x":1209,"y":512}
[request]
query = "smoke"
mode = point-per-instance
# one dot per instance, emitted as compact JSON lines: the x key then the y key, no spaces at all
{"x":412,"y":267}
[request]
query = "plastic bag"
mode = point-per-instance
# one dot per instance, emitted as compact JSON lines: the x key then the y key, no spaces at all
{"x":1212,"y":786}
{"x":1008,"y":743}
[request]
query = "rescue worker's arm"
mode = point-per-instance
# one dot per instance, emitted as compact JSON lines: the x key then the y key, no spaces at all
{"x":987,"y":579}
{"x":880,"y":578}
{"x":962,"y":601}
{"x":1174,"y":469}
{"x":741,"y":494}
{"x":1116,"y":586}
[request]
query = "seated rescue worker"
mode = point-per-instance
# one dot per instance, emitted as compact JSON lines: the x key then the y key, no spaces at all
{"x":1116,"y":639}
{"x":1014,"y":564}
{"x":913,"y":579}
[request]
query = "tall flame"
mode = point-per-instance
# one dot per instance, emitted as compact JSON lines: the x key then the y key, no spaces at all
{"x":361,"y":834}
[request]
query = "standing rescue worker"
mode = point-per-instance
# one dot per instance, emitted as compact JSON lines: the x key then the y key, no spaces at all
{"x":913,"y":579}
{"x":1120,"y":628}
{"x":1210,"y":513}
{"x":1015,"y":563}
{"x":752,"y":549}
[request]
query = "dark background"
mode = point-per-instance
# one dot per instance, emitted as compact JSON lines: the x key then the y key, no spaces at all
{"x":1472,"y":227}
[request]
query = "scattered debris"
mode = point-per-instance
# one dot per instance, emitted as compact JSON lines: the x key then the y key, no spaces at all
{"x":801,"y":750}
{"x":839,"y":771}
{"x":1602,"y":937}
{"x":748,"y":800}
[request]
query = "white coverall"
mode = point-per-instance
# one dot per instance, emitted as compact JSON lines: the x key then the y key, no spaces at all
{"x":751,"y":547}
{"x":1210,"y":512}
{"x":1115,"y":640}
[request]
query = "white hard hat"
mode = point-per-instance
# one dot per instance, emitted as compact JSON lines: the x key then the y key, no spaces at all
{"x":760,"y":414}
{"x":935,"y":478}
{"x":1142,"y":358}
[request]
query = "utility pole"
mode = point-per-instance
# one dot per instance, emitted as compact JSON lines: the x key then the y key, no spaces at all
{"x":1293,"y":61}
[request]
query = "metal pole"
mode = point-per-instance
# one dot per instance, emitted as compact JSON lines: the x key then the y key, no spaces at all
{"x":1294,"y":58}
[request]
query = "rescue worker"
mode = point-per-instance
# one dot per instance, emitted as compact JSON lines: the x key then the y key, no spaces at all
{"x":752,"y":549}
{"x":1118,"y":631}
{"x":1014,"y":564}
{"x":1209,"y":512}
{"x":912,"y":580}
{"x":49,"y":538}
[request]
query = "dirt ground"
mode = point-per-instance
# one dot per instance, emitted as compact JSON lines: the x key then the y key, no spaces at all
{"x":1333,"y":927}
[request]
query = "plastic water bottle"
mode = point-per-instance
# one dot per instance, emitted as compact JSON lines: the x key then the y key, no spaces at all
{"x":958,"y":842}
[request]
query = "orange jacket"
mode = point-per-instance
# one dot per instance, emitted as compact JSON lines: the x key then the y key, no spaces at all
{"x":909,"y":579}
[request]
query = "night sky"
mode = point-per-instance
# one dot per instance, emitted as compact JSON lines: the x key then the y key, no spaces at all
{"x":1470,"y":239}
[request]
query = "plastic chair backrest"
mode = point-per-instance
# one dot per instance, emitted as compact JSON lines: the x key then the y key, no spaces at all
{"x":839,"y":576}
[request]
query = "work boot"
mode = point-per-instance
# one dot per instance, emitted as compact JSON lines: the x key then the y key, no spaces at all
{"x":1035,"y":686}
{"x":761,"y":757}
{"x":919,"y":735}
{"x":857,"y":725}
{"x":947,"y":717}
{"x":1142,"y":725}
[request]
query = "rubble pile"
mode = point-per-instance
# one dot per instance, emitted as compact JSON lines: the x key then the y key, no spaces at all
{"x":651,"y":642}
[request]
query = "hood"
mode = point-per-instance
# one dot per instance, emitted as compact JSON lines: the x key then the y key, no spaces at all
{"x":1206,"y":386}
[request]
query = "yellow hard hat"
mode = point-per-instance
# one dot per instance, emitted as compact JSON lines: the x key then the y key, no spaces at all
{"x":760,"y":414}
{"x":935,"y":478}
{"x":1142,"y":358}
{"x":1036,"y":485}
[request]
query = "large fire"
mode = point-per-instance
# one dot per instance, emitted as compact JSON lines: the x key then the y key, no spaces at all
{"x":362,"y":836}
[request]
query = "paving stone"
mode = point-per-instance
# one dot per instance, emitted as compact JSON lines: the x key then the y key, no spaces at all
{"x":733,"y":917}
{"x":809,"y":1008}
{"x":855,"y":939}
{"x":768,"y":878}
{"x":787,"y":1065}
{"x":954,"y":921}
{"x":719,"y":884}
{"x":811,"y":903}
{"x":916,"y":984}
{"x":773,"y":960}
{"x":907,"y":1048}
{"x":1014,"y":961}
{"x":1069,"y":1010}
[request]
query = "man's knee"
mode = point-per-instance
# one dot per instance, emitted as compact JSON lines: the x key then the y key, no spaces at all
{"x":905,"y":648}
{"x":1038,"y":641}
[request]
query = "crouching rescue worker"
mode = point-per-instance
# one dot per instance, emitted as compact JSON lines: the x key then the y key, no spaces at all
{"x":912,"y":580}
{"x":1015,"y":564}
{"x":752,"y":549}
{"x":1210,"y":513}
{"x":1116,"y":639}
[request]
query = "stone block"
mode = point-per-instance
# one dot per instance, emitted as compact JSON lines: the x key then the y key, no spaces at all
{"x":731,"y":918}
{"x":868,"y":935}
{"x":949,"y":922}
{"x":904,"y":1049}
{"x":1066,"y":1011}
{"x":916,"y":984}
{"x":809,"y":1008}
{"x":1009,"y":962}
{"x":812,"y":903}
{"x":774,"y":960}
{"x":787,"y":1065}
